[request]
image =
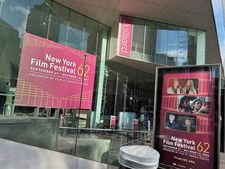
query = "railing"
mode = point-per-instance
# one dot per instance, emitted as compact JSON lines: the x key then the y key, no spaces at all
{"x":114,"y":152}
{"x":99,"y":144}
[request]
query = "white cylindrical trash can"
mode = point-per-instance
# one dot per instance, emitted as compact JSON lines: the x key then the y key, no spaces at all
{"x":138,"y":157}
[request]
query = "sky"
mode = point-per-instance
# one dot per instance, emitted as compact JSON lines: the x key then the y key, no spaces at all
{"x":218,"y":11}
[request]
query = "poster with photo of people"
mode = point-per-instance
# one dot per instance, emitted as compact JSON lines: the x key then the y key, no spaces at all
{"x":182,"y":86}
{"x":194,"y":105}
{"x":180,"y":122}
{"x":186,"y":116}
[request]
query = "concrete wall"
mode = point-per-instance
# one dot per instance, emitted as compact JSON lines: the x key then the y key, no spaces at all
{"x":40,"y":132}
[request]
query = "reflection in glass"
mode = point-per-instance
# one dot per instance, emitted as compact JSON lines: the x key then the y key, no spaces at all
{"x":150,"y":42}
{"x":137,"y":39}
{"x":76,"y":31}
{"x":161,"y":44}
{"x":192,"y":47}
{"x":58,"y":24}
{"x":172,"y":43}
{"x":91,"y":29}
{"x":167,"y":44}
{"x":14,"y":13}
{"x":38,"y":19}
{"x":182,"y":47}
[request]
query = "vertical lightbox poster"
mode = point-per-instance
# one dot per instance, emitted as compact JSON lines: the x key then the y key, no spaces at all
{"x":187,"y":116}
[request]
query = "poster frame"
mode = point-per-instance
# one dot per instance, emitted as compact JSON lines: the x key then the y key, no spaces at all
{"x":160,"y":71}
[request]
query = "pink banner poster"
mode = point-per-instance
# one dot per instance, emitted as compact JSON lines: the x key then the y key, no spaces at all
{"x":52,"y":74}
{"x":125,"y":36}
{"x":186,"y":138}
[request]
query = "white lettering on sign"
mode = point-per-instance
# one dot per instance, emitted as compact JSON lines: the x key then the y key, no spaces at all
{"x":125,"y":36}
{"x":52,"y":59}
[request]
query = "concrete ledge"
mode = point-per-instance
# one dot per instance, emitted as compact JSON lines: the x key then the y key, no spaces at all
{"x":20,"y":156}
{"x":40,"y":132}
{"x":89,"y":148}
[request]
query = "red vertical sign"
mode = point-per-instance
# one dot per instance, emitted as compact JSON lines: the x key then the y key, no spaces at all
{"x":125,"y":36}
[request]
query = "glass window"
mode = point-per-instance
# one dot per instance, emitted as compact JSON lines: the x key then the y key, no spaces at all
{"x":76,"y":31}
{"x":103,"y":33}
{"x":192,"y":45}
{"x":38,"y":18}
{"x":200,"y":48}
{"x":167,"y":44}
{"x":129,"y":89}
{"x":9,"y":59}
{"x":172,"y":45}
{"x":137,"y":39}
{"x":182,"y":47}
{"x":90,"y":38}
{"x":14,"y":13}
{"x":161,"y":44}
{"x":59,"y":23}
{"x":13,"y":16}
{"x":101,"y":70}
{"x":150,"y":42}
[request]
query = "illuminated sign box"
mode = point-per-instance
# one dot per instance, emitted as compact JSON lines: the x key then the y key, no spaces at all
{"x":187,"y":112}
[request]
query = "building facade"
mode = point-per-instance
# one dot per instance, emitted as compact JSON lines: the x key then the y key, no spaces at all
{"x":128,"y":38}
